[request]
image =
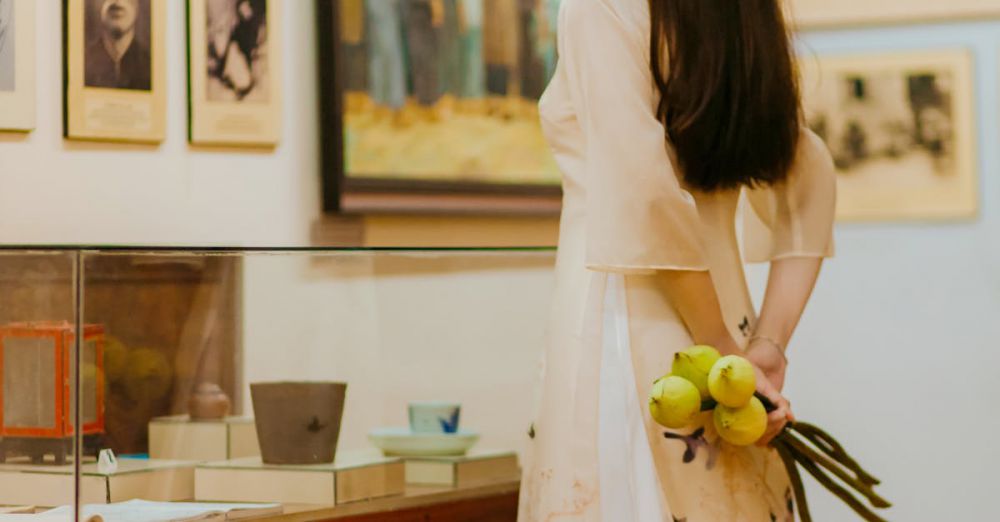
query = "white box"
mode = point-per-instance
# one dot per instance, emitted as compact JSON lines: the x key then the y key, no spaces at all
{"x":179,"y":438}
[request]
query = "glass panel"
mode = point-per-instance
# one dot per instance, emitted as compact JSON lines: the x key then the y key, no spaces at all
{"x":29,"y":383}
{"x":89,"y":382}
{"x":36,"y":313}
{"x":220,"y":361}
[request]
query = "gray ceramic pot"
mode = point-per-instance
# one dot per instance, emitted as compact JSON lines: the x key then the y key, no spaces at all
{"x":298,"y":422}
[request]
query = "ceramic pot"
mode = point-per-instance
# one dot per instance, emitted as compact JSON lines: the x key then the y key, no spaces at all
{"x":208,"y":402}
{"x":298,"y":422}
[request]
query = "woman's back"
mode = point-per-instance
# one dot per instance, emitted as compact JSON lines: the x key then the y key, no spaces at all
{"x":627,"y":217}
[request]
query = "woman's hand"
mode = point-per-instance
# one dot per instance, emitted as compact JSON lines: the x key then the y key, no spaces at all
{"x":769,"y":365}
{"x":770,"y":360}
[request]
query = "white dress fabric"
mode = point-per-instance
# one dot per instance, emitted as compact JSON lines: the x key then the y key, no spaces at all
{"x":595,"y":453}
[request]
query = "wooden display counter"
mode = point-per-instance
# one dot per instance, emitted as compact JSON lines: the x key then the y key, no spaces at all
{"x":491,"y":502}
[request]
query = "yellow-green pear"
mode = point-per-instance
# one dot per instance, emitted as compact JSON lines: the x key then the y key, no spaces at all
{"x":732,"y":381}
{"x":674,"y":402}
{"x":741,"y":426}
{"x":694,"y":364}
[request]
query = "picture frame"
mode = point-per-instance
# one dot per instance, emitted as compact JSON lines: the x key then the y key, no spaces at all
{"x":810,"y":14}
{"x":386,"y":151}
{"x":17,"y":65}
{"x":902,"y":130}
{"x":114,"y":70}
{"x":234,"y":72}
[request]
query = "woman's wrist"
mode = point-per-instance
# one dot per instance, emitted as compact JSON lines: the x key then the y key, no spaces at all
{"x":725,"y":344}
{"x":766,"y":343}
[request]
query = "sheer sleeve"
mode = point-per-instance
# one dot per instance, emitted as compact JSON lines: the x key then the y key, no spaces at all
{"x":639,"y":218}
{"x":794,"y":218}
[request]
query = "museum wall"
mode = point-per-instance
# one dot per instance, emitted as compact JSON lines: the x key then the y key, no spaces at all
{"x":56,"y":191}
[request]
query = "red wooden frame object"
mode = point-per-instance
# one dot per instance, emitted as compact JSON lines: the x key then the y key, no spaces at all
{"x":63,"y":339}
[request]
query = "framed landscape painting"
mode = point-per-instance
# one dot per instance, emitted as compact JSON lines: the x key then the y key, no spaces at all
{"x":827,"y":13}
{"x":431,"y":105}
{"x":901,"y":128}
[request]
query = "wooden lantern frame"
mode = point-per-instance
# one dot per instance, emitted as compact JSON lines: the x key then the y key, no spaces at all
{"x":62,"y":427}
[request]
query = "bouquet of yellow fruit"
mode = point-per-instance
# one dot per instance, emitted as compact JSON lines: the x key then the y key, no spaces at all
{"x":702,"y":380}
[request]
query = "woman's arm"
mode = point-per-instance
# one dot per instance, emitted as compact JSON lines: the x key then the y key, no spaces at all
{"x":693,"y":295}
{"x":789,"y":286}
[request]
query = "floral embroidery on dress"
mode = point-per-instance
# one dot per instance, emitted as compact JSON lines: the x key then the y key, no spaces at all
{"x":694,"y":442}
{"x":789,"y":505}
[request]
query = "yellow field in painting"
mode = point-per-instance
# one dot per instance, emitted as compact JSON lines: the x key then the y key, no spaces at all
{"x":458,"y":145}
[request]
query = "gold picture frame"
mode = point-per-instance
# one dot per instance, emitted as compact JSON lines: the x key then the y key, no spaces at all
{"x":234,"y":72}
{"x":115,"y":70}
{"x":17,"y":65}
{"x":830,"y":13}
{"x":902,"y":131}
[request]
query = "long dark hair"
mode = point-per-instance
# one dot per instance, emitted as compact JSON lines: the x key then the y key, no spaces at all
{"x":730,"y":96}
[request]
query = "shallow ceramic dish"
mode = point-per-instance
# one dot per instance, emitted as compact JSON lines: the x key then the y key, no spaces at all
{"x":404,"y":443}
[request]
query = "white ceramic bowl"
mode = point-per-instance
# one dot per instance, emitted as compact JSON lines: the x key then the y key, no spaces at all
{"x":404,"y":443}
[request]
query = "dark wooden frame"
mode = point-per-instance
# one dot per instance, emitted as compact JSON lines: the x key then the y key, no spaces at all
{"x":344,"y":194}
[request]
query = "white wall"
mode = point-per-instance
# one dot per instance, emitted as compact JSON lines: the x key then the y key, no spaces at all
{"x":404,"y":327}
{"x":54,"y":191}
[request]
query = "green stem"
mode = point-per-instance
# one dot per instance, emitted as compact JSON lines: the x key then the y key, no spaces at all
{"x":794,"y":477}
{"x":837,"y":489}
{"x":834,"y":449}
{"x":822,"y":460}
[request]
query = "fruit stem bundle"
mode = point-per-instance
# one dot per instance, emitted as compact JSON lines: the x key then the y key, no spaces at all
{"x":817,"y":452}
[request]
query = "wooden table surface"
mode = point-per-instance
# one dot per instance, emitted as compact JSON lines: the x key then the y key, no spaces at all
{"x":493,"y":502}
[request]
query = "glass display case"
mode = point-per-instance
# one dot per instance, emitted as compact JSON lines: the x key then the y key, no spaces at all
{"x":297,"y":384}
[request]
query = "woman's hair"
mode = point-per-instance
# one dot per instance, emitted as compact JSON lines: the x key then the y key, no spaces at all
{"x":730,"y":97}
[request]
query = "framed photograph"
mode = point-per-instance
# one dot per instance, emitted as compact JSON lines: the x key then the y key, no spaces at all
{"x":17,"y":65}
{"x":901,"y":129}
{"x":234,"y":72}
{"x":431,"y":105}
{"x":824,"y":13}
{"x":115,"y":70}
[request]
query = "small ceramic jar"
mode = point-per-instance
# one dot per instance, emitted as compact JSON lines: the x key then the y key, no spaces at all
{"x":208,"y":402}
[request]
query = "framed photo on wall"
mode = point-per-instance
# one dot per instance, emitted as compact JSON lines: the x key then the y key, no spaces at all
{"x":17,"y":65}
{"x":115,"y":70}
{"x":234,"y":72}
{"x":901,"y":129}
{"x":826,"y":13}
{"x":431,"y":105}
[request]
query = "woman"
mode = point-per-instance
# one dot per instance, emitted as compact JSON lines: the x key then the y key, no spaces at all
{"x":386,"y":65}
{"x":660,"y":115}
{"x":234,"y":66}
{"x":473,"y":69}
{"x":6,"y":46}
{"x":500,"y":50}
{"x":421,"y":22}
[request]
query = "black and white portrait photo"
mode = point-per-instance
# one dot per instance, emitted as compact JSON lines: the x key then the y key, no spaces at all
{"x":237,"y":60}
{"x":117,"y":53}
{"x":7,"y":62}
